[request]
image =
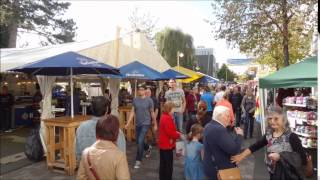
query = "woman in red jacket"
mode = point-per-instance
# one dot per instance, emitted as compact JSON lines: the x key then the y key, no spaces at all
{"x":168,"y":135}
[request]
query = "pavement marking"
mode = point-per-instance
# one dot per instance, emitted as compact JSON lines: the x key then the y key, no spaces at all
{"x":13,"y":158}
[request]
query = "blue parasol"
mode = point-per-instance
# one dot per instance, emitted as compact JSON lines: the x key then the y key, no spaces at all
{"x":67,"y":64}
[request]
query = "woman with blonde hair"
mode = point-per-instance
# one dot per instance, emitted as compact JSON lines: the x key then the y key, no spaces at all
{"x":284,"y":149}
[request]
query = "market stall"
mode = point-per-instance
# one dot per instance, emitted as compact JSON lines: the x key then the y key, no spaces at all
{"x":65,"y":64}
{"x":116,"y":52}
{"x":301,"y":108}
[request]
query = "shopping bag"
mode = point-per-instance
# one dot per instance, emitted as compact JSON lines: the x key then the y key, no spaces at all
{"x":180,"y":148}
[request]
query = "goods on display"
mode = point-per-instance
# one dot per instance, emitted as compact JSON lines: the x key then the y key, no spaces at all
{"x":302,"y":117}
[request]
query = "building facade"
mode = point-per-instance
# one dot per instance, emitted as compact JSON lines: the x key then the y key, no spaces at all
{"x":205,"y":61}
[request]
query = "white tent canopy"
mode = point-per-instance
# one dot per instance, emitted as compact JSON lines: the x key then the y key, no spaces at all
{"x":134,"y":47}
{"x":131,"y":47}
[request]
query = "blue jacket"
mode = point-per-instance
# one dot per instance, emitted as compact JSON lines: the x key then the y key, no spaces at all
{"x":219,"y":146}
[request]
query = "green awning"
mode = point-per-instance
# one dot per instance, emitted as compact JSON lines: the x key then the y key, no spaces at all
{"x":302,"y":74}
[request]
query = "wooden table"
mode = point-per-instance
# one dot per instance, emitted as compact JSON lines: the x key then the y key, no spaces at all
{"x":124,"y":114}
{"x":64,"y":142}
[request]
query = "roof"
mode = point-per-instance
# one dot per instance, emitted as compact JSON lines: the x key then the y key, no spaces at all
{"x":192,"y":74}
{"x":207,"y":79}
{"x":131,"y":47}
{"x":302,"y":74}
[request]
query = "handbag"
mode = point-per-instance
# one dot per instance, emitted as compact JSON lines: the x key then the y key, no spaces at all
{"x":93,"y":171}
{"x":229,"y":174}
{"x":180,"y":148}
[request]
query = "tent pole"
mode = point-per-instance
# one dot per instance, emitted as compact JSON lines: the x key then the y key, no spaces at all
{"x":274,"y":97}
{"x":262,"y":96}
{"x":71,"y":86}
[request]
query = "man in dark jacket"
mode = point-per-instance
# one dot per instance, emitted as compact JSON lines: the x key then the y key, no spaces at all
{"x":236,"y":99}
{"x":219,"y":145}
{"x":6,"y":102}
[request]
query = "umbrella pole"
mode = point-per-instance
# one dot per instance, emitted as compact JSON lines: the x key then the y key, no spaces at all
{"x":135,"y":88}
{"x":71,"y":86}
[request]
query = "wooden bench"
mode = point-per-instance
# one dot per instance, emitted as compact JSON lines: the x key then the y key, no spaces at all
{"x":60,"y":140}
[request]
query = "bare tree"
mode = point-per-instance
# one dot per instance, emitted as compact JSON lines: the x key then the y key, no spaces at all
{"x":143,"y":22}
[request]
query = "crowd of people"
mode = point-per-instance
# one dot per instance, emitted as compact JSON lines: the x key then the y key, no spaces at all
{"x":211,"y":121}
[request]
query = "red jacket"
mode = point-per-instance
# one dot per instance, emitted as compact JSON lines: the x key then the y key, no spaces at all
{"x":168,"y":133}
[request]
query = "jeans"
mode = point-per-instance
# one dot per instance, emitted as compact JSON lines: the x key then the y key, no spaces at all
{"x":166,"y":164}
{"x":141,"y":132}
{"x":248,"y":124}
{"x":178,"y":120}
{"x":237,"y":113}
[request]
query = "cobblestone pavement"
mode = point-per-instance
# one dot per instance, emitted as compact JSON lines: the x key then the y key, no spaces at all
{"x":148,"y":170}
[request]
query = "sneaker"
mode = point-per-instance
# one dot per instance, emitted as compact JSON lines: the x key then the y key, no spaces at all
{"x":137,"y":165}
{"x":148,"y":153}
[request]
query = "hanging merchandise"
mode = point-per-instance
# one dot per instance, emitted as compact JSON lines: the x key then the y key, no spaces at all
{"x":302,"y":116}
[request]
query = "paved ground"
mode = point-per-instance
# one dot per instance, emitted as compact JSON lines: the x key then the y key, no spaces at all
{"x":11,"y":151}
{"x":148,"y":171}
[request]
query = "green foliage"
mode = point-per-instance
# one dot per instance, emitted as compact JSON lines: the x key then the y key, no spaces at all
{"x":264,"y":28}
{"x":170,"y":41}
{"x":225,"y":73}
{"x":42,"y":17}
{"x":299,"y":46}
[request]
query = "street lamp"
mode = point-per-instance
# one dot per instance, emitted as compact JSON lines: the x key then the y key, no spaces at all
{"x":179,"y":55}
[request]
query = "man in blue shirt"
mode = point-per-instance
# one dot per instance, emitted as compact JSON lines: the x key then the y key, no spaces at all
{"x":208,"y":97}
{"x":86,"y":133}
{"x":219,"y":144}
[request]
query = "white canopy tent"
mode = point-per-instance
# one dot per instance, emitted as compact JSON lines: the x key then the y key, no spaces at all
{"x":133,"y":47}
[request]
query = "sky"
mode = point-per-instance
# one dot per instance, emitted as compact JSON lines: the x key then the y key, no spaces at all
{"x":98,"y":20}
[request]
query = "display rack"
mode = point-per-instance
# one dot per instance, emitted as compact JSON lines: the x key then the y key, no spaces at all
{"x":302,"y":115}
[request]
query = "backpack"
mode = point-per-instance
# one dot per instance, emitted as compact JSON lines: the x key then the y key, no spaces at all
{"x":33,"y":147}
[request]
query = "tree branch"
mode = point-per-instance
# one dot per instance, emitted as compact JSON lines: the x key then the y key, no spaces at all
{"x":271,"y":18}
